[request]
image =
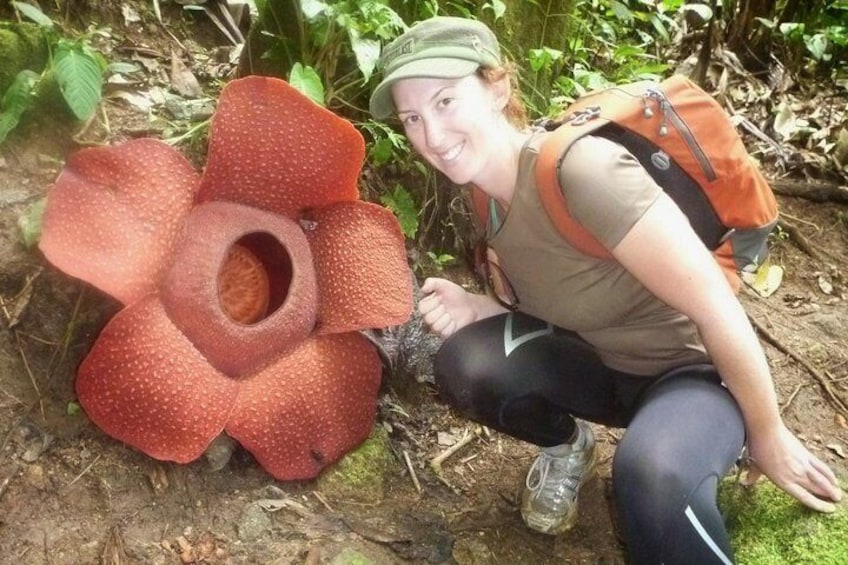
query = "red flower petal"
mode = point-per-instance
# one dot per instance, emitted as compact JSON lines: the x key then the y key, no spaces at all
{"x":190,"y":290}
{"x":309,"y":408}
{"x":145,"y":384}
{"x":113,"y":216}
{"x":360,"y":260}
{"x":273,"y":148}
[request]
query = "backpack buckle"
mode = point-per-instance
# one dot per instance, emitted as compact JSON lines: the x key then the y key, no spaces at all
{"x":583,"y":116}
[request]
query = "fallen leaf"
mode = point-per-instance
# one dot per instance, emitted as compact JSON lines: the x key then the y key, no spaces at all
{"x":841,"y":422}
{"x":785,"y":122}
{"x":158,"y":479}
{"x":765,"y":280}
{"x":825,"y":285}
{"x":130,"y":15}
{"x":182,"y":78}
{"x":446,"y":439}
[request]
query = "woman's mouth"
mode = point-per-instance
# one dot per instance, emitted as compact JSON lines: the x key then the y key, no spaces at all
{"x":452,"y":153}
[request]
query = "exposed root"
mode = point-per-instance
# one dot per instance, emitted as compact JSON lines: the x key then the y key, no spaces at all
{"x":822,"y":380}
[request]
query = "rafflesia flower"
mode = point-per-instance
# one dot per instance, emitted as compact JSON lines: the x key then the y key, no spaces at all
{"x":244,"y":288}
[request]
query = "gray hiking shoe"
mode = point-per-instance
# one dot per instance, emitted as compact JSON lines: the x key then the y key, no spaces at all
{"x":549,"y":500}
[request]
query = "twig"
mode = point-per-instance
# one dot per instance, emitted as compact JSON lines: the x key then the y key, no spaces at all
{"x":66,"y":338}
{"x":436,"y":462}
{"x":29,"y":373}
{"x":800,"y":241}
{"x":157,"y":10}
{"x":84,"y":471}
{"x":323,"y":501}
{"x":791,"y":397}
{"x":5,"y":484}
{"x":837,"y":402}
{"x":412,"y":474}
{"x":13,"y":397}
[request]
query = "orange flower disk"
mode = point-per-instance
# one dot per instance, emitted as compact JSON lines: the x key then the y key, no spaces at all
{"x":244,"y":289}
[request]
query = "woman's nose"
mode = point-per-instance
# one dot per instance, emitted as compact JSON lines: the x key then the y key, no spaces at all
{"x":433,"y":133}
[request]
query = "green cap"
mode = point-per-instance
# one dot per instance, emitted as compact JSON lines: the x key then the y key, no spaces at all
{"x":439,"y":47}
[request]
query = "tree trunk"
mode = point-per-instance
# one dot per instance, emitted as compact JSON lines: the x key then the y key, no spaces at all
{"x":745,"y":36}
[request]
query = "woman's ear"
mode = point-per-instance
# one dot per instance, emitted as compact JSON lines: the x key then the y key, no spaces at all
{"x":501,"y":91}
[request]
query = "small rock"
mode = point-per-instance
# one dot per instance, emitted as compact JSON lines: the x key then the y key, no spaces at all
{"x":349,"y":556}
{"x":34,"y":476}
{"x":219,"y":452}
{"x":253,"y":523}
{"x":472,"y":552}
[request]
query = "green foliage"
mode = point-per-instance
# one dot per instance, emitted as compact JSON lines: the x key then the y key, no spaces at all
{"x":307,"y":81}
{"x":387,"y":145}
{"x":33,"y":13}
{"x":611,"y":42}
{"x":77,"y":70}
{"x":767,"y":526}
{"x":80,"y":76}
{"x":441,"y":260}
{"x":400,"y":202}
{"x":74,"y":409}
{"x":338,"y":42}
{"x":16,"y":101}
{"x":822,"y":40}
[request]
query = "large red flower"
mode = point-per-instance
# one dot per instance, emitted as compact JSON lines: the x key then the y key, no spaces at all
{"x":244,"y":288}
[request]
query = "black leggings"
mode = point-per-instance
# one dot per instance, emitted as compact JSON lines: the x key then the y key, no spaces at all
{"x":526,"y":378}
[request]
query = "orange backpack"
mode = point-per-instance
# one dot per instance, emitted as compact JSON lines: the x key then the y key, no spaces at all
{"x":686,"y":142}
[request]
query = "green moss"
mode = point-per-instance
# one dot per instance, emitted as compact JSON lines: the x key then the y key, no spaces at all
{"x":768,"y":527}
{"x":360,"y":474}
{"x":22,"y":46}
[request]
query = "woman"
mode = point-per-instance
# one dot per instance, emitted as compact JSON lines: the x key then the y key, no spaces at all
{"x":654,"y":342}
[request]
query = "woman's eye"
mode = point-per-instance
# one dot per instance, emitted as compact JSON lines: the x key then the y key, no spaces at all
{"x":409,"y":120}
{"x":447,"y":101}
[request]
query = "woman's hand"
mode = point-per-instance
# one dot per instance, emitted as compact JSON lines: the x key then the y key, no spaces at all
{"x":447,"y":307}
{"x":784,"y":459}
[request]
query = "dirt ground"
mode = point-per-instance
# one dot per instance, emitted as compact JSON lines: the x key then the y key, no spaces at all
{"x":69,"y":494}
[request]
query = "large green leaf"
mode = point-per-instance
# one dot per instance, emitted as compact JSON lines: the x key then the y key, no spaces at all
{"x":367,"y":52}
{"x":80,"y":79}
{"x":307,"y":81}
{"x":33,"y":13}
{"x":17,"y":100}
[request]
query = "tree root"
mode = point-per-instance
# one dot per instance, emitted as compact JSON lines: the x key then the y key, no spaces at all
{"x":817,"y":192}
{"x":822,"y":380}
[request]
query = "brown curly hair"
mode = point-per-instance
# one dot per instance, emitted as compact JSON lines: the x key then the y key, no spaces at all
{"x":515,"y":111}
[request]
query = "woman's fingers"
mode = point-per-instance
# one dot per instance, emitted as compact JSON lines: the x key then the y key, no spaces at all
{"x":809,"y":499}
{"x":428,"y":304}
{"x":823,"y":481}
{"x":429,"y":285}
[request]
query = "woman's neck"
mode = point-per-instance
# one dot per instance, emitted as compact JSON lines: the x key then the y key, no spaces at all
{"x":498,"y":180}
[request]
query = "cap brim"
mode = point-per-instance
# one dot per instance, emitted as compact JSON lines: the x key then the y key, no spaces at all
{"x":382,"y":104}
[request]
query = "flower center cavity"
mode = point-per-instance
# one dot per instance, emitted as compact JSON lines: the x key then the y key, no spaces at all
{"x":254,"y":280}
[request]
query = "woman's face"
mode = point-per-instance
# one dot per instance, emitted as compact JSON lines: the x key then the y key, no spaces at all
{"x":452,"y":123}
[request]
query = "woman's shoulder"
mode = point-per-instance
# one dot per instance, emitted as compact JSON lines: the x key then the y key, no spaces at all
{"x":593,"y":151}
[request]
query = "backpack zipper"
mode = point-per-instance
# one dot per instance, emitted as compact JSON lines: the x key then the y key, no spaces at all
{"x":677,"y":122}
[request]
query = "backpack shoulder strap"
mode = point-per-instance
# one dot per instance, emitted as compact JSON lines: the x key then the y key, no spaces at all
{"x":480,"y":207}
{"x":547,"y":172}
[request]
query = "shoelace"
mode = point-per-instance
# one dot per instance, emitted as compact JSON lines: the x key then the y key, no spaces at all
{"x":541,"y":465}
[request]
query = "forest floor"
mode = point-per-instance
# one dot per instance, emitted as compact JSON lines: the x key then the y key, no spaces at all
{"x":69,"y":494}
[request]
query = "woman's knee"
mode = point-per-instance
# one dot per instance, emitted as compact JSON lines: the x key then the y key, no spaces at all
{"x":649,"y":472}
{"x":460,"y":370}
